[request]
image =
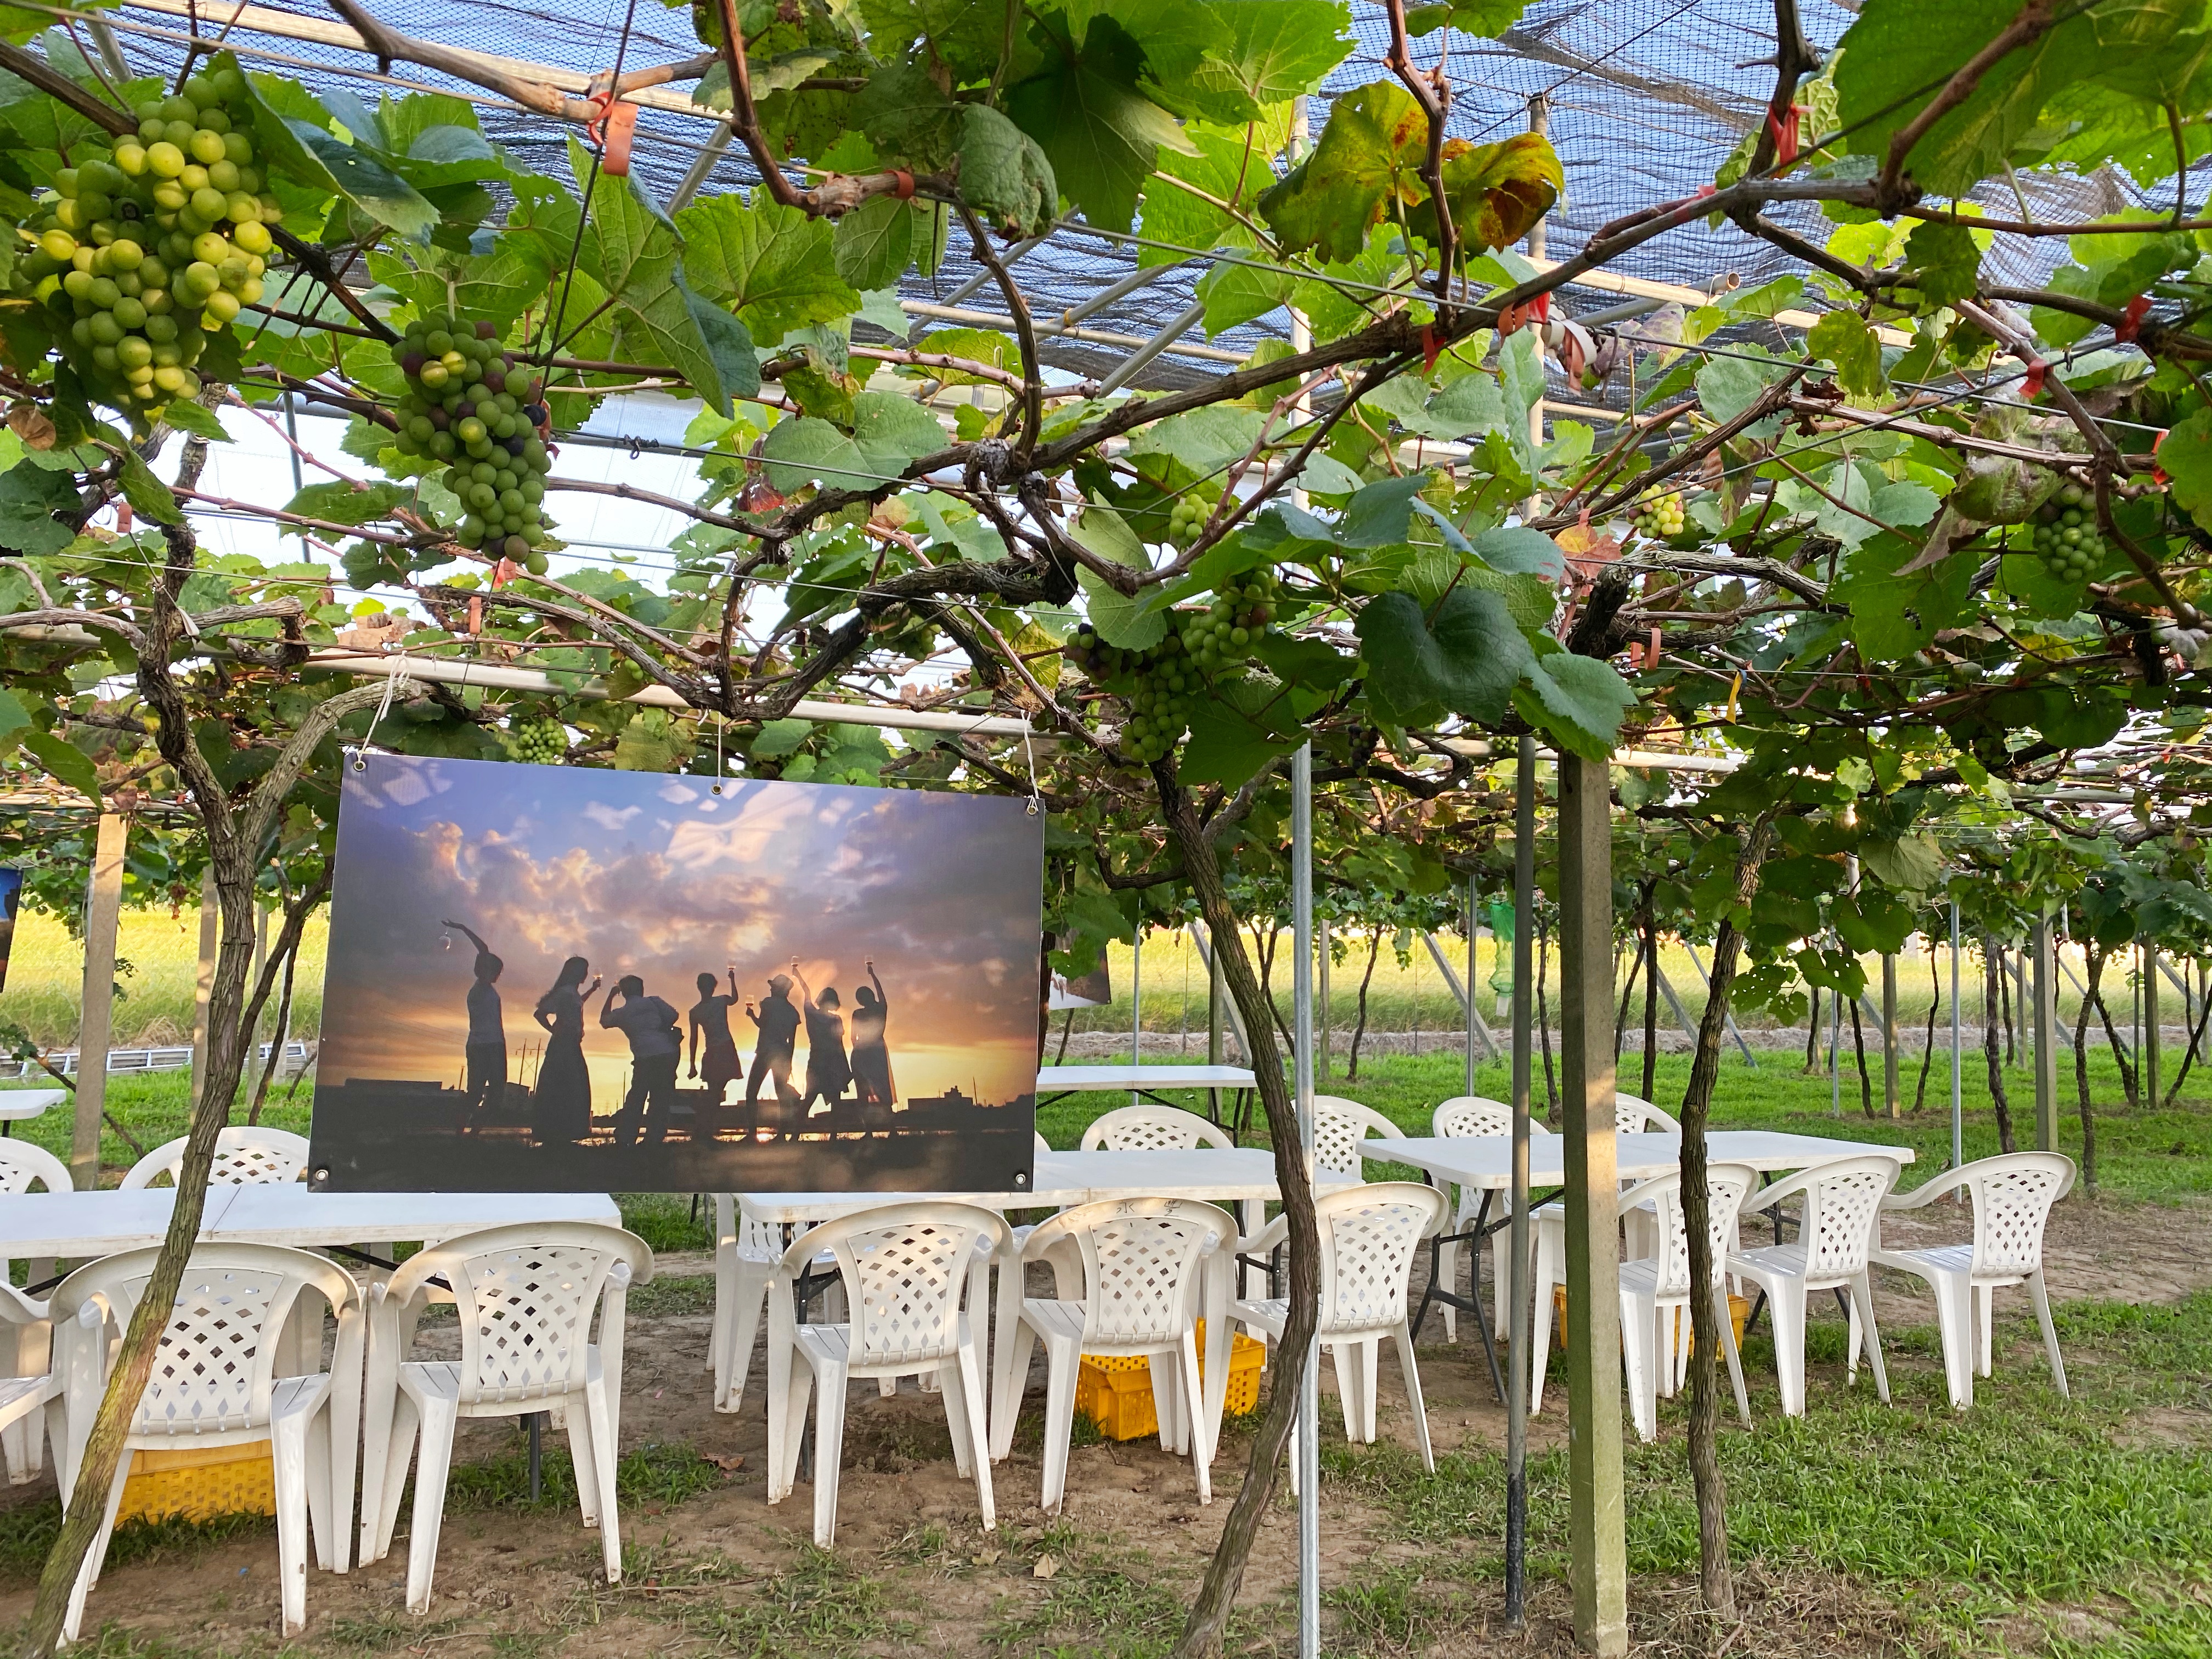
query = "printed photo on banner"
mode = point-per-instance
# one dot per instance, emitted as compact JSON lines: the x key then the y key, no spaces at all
{"x":557,"y":978}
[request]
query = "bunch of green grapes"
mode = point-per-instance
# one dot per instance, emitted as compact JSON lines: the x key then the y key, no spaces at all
{"x":2065,"y":535}
{"x":1162,"y":683}
{"x":1185,"y":518}
{"x":146,"y":251}
{"x":539,"y":743}
{"x":1223,"y":634}
{"x":469,"y":405}
{"x":1660,"y":516}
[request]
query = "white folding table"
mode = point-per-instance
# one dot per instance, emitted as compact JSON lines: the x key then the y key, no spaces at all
{"x":1056,"y":1081}
{"x":78,"y":1225}
{"x":17,"y":1104}
{"x":1485,"y":1164}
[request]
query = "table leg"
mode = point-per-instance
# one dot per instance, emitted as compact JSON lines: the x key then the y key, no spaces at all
{"x":537,"y":1457}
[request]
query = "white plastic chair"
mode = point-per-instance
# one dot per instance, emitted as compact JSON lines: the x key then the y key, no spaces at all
{"x":26,"y":1342}
{"x":22,"y":1163}
{"x":1144,"y":1127}
{"x":244,"y":1157}
{"x":1043,"y":1144}
{"x":1151,"y":1268}
{"x":1654,"y":1290}
{"x":1633,"y":1116}
{"x":1842,"y":1208}
{"x":2012,"y":1196}
{"x":903,"y":1267}
{"x":215,"y":1381}
{"x":1340,"y":1126}
{"x":1368,"y":1237}
{"x":526,"y":1294}
{"x":1470,"y":1116}
{"x":745,"y":1254}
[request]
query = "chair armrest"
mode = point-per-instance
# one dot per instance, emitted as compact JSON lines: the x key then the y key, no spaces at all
{"x":1275,"y":1232}
{"x":1927,"y":1192}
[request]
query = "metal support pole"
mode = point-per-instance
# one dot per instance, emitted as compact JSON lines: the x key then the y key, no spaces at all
{"x":1136,"y":1003}
{"x":2147,"y":1040}
{"x":1168,"y":334}
{"x":1478,"y":1028}
{"x":1212,"y":1020}
{"x":1302,"y":1063}
{"x":1957,"y":1112}
{"x":1473,"y":1016}
{"x":1518,"y":1359}
{"x":1327,"y":1007}
{"x":1890,"y":1096}
{"x":1749,"y":1059}
{"x":2046,"y":1051}
{"x":1835,"y":1043}
{"x":96,"y":1024}
{"x":1597,"y":1538}
{"x":703,"y":163}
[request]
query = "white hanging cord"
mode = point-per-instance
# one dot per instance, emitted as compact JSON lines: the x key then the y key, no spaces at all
{"x":721,"y":725}
{"x":384,"y":708}
{"x":1036,"y":801}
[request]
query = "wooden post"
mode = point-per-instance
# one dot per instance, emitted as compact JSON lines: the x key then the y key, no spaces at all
{"x":96,"y":1024}
{"x":2148,"y":1043}
{"x":211,"y":936}
{"x":1597,"y":1543}
{"x":2046,"y":1034}
{"x":1889,"y":1090}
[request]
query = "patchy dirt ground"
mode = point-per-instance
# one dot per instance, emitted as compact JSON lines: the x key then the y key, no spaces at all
{"x":912,"y":1573}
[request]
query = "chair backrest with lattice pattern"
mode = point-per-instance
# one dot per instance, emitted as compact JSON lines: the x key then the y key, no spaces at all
{"x":1147,"y":1128}
{"x":1140,"y":1265}
{"x":1726,"y":1187}
{"x":217,"y":1358}
{"x":1368,"y":1237}
{"x":245,"y":1155}
{"x":904,"y":1266}
{"x":2012,"y":1194}
{"x":526,"y":1294}
{"x":21,"y":1163}
{"x":1842,"y":1200}
{"x":1634,"y":1116}
{"x":1340,"y":1126}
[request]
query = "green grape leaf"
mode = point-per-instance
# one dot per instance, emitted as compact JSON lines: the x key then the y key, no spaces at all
{"x":337,"y":501}
{"x":799,"y":452}
{"x":780,"y":737}
{"x":1578,"y":700}
{"x":194,"y":421}
{"x":1365,"y":163}
{"x":1004,"y":175}
{"x":1235,"y":291}
{"x":1101,"y":134}
{"x":306,"y":150}
{"x":1244,"y":726}
{"x":875,"y":242}
{"x":148,"y":496}
{"x":1120,"y":620}
{"x":1894,"y":616}
{"x":1496,"y":192}
{"x":1845,"y":340}
{"x":30,"y":495}
{"x":1260,"y":52}
{"x":64,"y":761}
{"x":2186,"y":454}
{"x":773,"y":265}
{"x":1467,"y":658}
{"x":1485,"y":19}
{"x":1945,"y":262}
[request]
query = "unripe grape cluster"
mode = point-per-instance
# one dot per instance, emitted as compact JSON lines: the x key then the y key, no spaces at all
{"x":472,"y":406}
{"x":1661,"y":516}
{"x":1185,"y":518}
{"x":539,"y":743}
{"x":144,"y":252}
{"x":1163,"y":683}
{"x":2066,"y":537}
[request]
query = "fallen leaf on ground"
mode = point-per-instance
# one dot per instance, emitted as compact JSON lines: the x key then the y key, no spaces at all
{"x":1046,"y":1566}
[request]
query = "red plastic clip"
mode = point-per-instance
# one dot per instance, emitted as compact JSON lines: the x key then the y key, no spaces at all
{"x":613,"y":130}
{"x":476,"y":612}
{"x":503,"y":572}
{"x":2031,"y":387}
{"x":2157,"y":472}
{"x":1431,"y":347}
{"x":1784,"y":134}
{"x":2130,"y":323}
{"x":905,"y":190}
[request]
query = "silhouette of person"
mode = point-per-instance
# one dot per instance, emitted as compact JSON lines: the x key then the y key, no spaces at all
{"x":564,"y":1083}
{"x":778,"y":1022}
{"x":486,"y":1047}
{"x":828,"y":1072}
{"x":872,"y":1057}
{"x":710,"y":1024}
{"x":655,"y":1049}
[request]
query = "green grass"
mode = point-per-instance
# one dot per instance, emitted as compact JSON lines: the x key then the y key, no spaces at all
{"x":1960,"y":1517}
{"x":654,"y":1475}
{"x":820,"y":1607}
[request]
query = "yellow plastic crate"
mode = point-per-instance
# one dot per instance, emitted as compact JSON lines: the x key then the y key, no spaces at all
{"x":1738,"y":1312}
{"x":201,"y":1483}
{"x":1117,"y":1393}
